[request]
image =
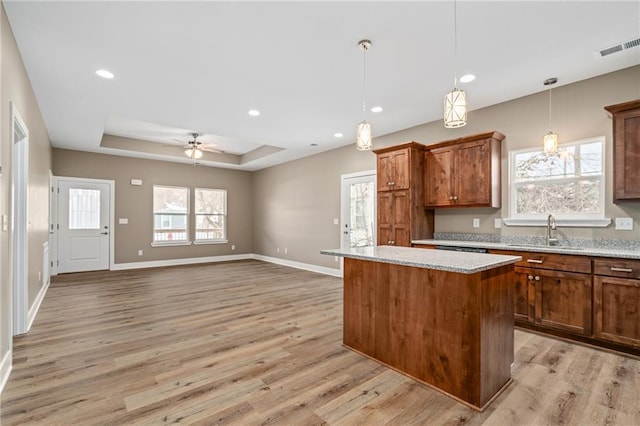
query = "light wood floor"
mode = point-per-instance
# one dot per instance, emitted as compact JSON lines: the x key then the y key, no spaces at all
{"x":253,"y":343}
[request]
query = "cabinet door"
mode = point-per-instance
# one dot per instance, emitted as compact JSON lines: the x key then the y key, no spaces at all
{"x":438,"y":180}
{"x":394,"y":218}
{"x":524,"y":295}
{"x":563,"y":301}
{"x":626,"y":155}
{"x":472,"y":173}
{"x":393,"y":170}
{"x":617,"y":310}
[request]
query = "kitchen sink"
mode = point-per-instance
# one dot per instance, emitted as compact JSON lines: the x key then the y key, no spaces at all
{"x":545,"y":246}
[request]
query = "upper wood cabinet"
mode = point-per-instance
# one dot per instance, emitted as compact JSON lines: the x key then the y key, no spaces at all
{"x":393,"y":170}
{"x":626,"y":150}
{"x":402,"y":216}
{"x":464,"y":172}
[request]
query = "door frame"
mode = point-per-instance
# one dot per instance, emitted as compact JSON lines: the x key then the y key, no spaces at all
{"x":55,"y":214}
{"x":19,"y":221}
{"x":344,"y":213}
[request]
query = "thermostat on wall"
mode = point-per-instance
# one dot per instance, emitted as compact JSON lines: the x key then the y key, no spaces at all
{"x":136,"y":182}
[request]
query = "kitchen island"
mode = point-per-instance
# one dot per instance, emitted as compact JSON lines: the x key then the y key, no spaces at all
{"x":443,"y":318}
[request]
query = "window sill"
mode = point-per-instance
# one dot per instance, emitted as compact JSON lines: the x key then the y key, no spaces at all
{"x":170,"y":244}
{"x":203,"y":242}
{"x":566,"y":223}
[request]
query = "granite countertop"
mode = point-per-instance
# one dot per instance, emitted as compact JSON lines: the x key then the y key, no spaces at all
{"x":451,"y":261}
{"x":560,"y":249}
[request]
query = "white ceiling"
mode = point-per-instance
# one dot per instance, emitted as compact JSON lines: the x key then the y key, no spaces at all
{"x":201,"y":66}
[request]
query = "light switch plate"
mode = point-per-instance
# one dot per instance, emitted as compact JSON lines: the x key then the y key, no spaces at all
{"x":123,"y":221}
{"x":497,"y":223}
{"x":336,"y":221}
{"x":624,"y":223}
{"x":476,"y":222}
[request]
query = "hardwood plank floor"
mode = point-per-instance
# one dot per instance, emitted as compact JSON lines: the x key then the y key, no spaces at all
{"x":252,"y":343}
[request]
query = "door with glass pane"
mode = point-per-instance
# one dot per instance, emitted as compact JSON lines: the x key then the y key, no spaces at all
{"x":358,"y":211}
{"x":83,"y":220}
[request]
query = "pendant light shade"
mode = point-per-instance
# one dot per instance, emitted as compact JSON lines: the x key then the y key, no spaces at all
{"x":550,"y":140}
{"x":455,"y":109}
{"x":455,"y":102}
{"x":194,"y":153}
{"x":363,"y":136}
{"x":363,"y":131}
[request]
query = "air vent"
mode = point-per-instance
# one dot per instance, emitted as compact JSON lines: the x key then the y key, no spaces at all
{"x":618,"y":47}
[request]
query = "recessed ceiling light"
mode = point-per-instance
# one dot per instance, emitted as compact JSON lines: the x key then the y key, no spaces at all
{"x":254,"y":112}
{"x":105,"y":74}
{"x":338,"y":135}
{"x":376,"y":109}
{"x":467,"y":78}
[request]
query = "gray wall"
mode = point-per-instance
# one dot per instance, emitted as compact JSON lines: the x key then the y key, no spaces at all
{"x":16,"y":88}
{"x":136,"y":202}
{"x":296,"y":202}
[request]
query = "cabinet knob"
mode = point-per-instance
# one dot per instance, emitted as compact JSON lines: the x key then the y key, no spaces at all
{"x":393,"y":242}
{"x":455,"y":197}
{"x":537,"y":278}
{"x":451,"y":198}
{"x":530,"y":277}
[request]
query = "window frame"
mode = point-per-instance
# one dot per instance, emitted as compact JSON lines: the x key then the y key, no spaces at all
{"x":160,"y":243}
{"x":224,"y":216}
{"x":597,"y":219}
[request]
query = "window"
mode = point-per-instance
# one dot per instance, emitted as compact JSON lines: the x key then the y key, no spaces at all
{"x":569,"y":184}
{"x":170,"y":215}
{"x":211,"y":215}
{"x":84,"y":208}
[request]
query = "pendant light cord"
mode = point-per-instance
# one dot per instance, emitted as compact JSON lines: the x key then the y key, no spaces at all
{"x":364,"y":80}
{"x":550,"y":107}
{"x":455,"y":44}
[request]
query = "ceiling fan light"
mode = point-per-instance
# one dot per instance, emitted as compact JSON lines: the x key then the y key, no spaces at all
{"x":455,"y":109}
{"x":197,"y":153}
{"x":363,"y":136}
{"x":188,"y":152}
{"x":550,"y":143}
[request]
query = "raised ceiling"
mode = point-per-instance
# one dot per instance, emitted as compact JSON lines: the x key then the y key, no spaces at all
{"x":201,"y":66}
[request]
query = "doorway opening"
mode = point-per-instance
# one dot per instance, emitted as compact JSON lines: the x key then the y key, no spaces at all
{"x":358,"y":209}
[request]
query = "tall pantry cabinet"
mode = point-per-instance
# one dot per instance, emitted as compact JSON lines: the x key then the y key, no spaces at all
{"x":401,"y":213}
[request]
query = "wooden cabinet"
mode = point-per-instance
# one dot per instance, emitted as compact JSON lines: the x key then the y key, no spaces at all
{"x":393,"y":170}
{"x":616,"y":300}
{"x":549,"y":296}
{"x":626,"y":150}
{"x":464,"y":172}
{"x":402,"y":216}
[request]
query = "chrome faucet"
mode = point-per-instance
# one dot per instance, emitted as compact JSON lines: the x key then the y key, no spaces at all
{"x":552,"y":230}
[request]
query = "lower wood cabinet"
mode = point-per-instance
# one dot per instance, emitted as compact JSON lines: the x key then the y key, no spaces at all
{"x":394,"y":227}
{"x":554,"y":299}
{"x":616,"y":301}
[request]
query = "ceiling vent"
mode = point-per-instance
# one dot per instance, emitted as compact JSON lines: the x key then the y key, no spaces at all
{"x":618,"y":47}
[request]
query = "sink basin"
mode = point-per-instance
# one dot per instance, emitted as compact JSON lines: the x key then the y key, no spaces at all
{"x":545,"y":246}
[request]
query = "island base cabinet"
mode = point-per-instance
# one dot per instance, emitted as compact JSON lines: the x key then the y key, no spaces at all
{"x":451,"y":331}
{"x":617,"y":310}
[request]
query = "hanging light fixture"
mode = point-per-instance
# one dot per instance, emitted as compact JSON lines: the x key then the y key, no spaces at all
{"x":192,"y":149}
{"x":455,"y":102}
{"x":363,"y":131}
{"x":550,"y":140}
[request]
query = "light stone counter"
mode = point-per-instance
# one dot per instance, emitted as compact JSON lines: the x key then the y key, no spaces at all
{"x":575,"y":250}
{"x":451,"y":261}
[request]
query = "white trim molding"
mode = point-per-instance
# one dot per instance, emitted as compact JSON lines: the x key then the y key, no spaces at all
{"x":5,"y":369}
{"x":299,"y":265}
{"x":33,"y":311}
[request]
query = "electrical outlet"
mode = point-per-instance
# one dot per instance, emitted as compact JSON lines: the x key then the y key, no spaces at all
{"x":336,"y":221}
{"x":278,"y":250}
{"x":233,"y":247}
{"x":140,"y":252}
{"x":476,"y":222}
{"x":497,"y":223}
{"x":285,"y":250}
{"x":39,"y":276}
{"x":624,"y":223}
{"x":335,"y":258}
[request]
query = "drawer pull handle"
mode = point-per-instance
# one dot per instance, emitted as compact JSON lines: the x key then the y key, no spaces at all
{"x":614,"y":269}
{"x":534,"y":261}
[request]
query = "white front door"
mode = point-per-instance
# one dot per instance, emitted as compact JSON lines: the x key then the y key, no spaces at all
{"x":83,"y":225}
{"x":358,"y":228}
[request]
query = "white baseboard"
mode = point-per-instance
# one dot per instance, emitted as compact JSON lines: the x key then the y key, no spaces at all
{"x":300,"y":265}
{"x":5,"y":369}
{"x":33,"y":311}
{"x":175,"y":262}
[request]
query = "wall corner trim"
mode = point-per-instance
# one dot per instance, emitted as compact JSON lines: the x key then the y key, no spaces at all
{"x":5,"y":369}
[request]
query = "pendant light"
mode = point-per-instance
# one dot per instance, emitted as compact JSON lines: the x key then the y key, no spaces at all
{"x":550,"y":140}
{"x":455,"y":102}
{"x":363,"y":131}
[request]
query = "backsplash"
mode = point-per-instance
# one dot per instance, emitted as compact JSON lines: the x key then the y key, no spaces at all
{"x":531,"y":240}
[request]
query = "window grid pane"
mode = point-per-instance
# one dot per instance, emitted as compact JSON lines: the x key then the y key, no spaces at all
{"x":170,"y":219}
{"x":211,"y":208}
{"x":84,"y":208}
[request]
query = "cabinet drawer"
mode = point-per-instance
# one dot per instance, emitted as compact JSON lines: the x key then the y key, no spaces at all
{"x":559,"y":262}
{"x":625,"y":268}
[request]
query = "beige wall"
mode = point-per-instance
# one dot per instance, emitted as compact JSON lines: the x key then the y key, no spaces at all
{"x":135,"y":202}
{"x":296,"y":202}
{"x":16,"y":89}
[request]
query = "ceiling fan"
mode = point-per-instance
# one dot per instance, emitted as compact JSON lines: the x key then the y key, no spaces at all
{"x":194,"y":148}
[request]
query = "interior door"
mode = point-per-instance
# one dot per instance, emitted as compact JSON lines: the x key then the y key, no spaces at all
{"x":358,"y":211}
{"x":83,"y":221}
